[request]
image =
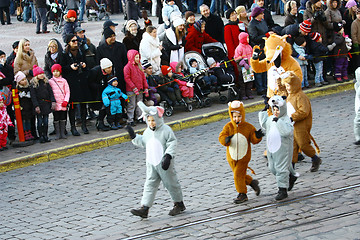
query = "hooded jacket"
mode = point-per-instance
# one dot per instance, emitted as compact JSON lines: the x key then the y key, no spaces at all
{"x":134,"y":77}
{"x":61,"y":92}
{"x":195,"y":40}
{"x":243,"y":50}
{"x":111,"y":97}
{"x":231,"y":36}
{"x":149,"y":50}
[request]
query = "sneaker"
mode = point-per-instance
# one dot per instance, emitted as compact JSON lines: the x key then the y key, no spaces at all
{"x":250,"y":97}
{"x":119,"y":126}
{"x":113,"y":127}
{"x":324,"y":82}
{"x":345,"y":79}
{"x":178,"y":208}
{"x":242,"y":197}
{"x":244,"y":98}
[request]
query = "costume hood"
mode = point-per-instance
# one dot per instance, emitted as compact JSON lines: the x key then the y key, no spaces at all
{"x":131,"y":56}
{"x":155,"y":111}
{"x":243,"y":38}
{"x":294,"y":81}
{"x":236,"y":106}
{"x":276,"y":46}
{"x":279,"y":102}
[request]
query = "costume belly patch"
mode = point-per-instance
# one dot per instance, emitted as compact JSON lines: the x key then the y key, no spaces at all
{"x":273,"y":140}
{"x":238,"y":146}
{"x":154,"y":151}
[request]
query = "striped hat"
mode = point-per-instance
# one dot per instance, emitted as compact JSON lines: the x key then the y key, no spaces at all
{"x":315,"y":36}
{"x":305,"y":26}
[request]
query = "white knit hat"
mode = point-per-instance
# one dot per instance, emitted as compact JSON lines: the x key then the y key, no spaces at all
{"x":178,"y":21}
{"x":129,"y":23}
{"x":105,"y":63}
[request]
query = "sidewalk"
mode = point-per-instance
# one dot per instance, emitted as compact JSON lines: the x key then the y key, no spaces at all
{"x":22,"y":157}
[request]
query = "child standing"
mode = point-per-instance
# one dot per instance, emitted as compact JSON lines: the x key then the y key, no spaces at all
{"x":5,"y":122}
{"x":160,"y":143}
{"x":341,"y":54}
{"x":279,"y":144}
{"x":111,"y":99}
{"x":135,"y":82}
{"x":26,"y":105}
{"x":243,"y":54}
{"x":236,"y":136}
{"x":43,"y":100}
{"x":61,"y":91}
{"x":300,"y":48}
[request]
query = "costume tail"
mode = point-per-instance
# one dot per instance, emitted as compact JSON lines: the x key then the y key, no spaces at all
{"x":252,"y":171}
{"x":316,"y":146}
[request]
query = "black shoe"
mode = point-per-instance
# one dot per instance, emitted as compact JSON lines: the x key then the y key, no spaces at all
{"x":357,"y":142}
{"x":38,"y":32}
{"x":282,"y":194}
{"x":47,"y":139}
{"x":141,"y":212}
{"x":316,"y":161}
{"x":42,"y":139}
{"x":300,"y":157}
{"x":84,"y":128}
{"x":255,"y":185}
{"x":179,"y":207}
{"x":101,"y":126}
{"x":242,"y":197}
{"x":292,"y":180}
{"x":53,"y":132}
{"x":74,"y":131}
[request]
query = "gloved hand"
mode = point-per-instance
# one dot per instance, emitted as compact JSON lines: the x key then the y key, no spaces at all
{"x":242,"y":62}
{"x":64,"y":104}
{"x":165,"y":163}
{"x":228,"y":139}
{"x":259,"y":133}
{"x":319,"y":15}
{"x":146,"y":92}
{"x":331,"y":46}
{"x":189,"y":84}
{"x":37,"y":110}
{"x":136,"y":91}
{"x":53,"y":106}
{"x":275,"y":119}
{"x":291,"y":119}
{"x":131,"y":132}
{"x":256,"y":53}
{"x":266,"y":102}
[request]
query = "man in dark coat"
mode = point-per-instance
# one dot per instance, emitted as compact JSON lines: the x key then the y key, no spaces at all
{"x":214,"y":25}
{"x":4,"y":7}
{"x":86,"y":47}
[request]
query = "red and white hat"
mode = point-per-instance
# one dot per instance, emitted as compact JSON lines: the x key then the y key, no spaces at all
{"x":305,"y":26}
{"x":315,"y":36}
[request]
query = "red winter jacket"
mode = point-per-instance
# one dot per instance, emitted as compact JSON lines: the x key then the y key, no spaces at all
{"x":231,"y":35}
{"x":134,"y":77}
{"x":195,"y":40}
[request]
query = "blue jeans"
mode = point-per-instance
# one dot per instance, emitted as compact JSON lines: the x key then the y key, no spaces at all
{"x":260,"y":82}
{"x":27,"y":125}
{"x":42,"y":120}
{"x":41,"y":19}
{"x":27,"y":12}
{"x":82,"y":10}
{"x":319,"y":72}
{"x":210,"y":80}
{"x":304,"y":82}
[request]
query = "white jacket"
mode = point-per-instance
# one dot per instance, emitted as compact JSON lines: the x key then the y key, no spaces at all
{"x":149,"y":50}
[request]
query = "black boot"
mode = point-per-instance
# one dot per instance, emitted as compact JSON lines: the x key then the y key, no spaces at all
{"x":292,"y":180}
{"x":101,"y":126}
{"x":242,"y":197}
{"x":84,"y":128}
{"x":177,"y":209}
{"x":300,"y":157}
{"x":141,"y":212}
{"x":316,"y":161}
{"x":255,"y":185}
{"x":282,"y":194}
{"x":74,"y":131}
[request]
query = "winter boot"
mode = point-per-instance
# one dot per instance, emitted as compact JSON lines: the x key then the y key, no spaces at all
{"x":74,"y":131}
{"x":83,"y":127}
{"x":57,"y":129}
{"x":41,"y":134}
{"x":292,"y":180}
{"x":141,"y":212}
{"x":62,"y":129}
{"x":177,"y":209}
{"x":45,"y":133}
{"x":101,"y":126}
{"x":242,"y":197}
{"x":282,"y":194}
{"x":255,"y":185}
{"x":316,"y":161}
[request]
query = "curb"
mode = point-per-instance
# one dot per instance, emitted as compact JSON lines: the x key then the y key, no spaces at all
{"x":177,"y":125}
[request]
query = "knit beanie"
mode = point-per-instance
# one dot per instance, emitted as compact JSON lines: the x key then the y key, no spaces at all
{"x":210,"y":61}
{"x":129,"y":23}
{"x":108,"y":32}
{"x":145,"y":64}
{"x":19,"y":76}
{"x":305,"y":26}
{"x":299,"y":40}
{"x":56,"y":67}
{"x":71,"y":13}
{"x":69,"y":37}
{"x":37,"y":70}
{"x":256,"y":11}
{"x":178,"y":21}
{"x":350,"y":4}
{"x":229,"y":12}
{"x":2,"y":52}
{"x":105,"y":63}
{"x":197,"y":25}
{"x":165,"y":70}
{"x":112,"y":80}
{"x":337,"y":26}
{"x":189,"y":14}
{"x":315,"y":36}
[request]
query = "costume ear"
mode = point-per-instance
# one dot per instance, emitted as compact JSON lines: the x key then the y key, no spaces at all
{"x":283,"y":97}
{"x":160,"y":111}
{"x":145,"y":109}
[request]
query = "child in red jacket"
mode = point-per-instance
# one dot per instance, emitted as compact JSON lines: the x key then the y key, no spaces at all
{"x":186,"y":88}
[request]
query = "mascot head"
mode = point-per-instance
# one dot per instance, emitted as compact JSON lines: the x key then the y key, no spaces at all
{"x":279,"y":103}
{"x":236,"y":107}
{"x":275,"y":48}
{"x":156,"y":112}
{"x":291,"y":82}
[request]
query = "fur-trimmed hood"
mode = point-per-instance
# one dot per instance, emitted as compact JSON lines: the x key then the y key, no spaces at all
{"x":329,"y":4}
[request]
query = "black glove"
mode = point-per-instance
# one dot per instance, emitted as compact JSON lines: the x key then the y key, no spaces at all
{"x":275,"y":119}
{"x":130,"y":131}
{"x":266,"y":100}
{"x":291,"y":119}
{"x":259,"y":133}
{"x":166,"y":161}
{"x":228,"y":139}
{"x":256,"y":54}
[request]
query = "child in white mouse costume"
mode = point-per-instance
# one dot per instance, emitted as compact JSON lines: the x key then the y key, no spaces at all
{"x":279,"y":144}
{"x":160,"y":143}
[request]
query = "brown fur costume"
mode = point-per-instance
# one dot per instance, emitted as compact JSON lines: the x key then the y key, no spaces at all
{"x":302,"y":116}
{"x":238,"y":150}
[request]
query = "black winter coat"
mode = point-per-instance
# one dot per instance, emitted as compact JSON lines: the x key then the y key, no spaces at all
{"x":132,"y":10}
{"x":42,"y":96}
{"x":117,"y":55}
{"x":316,"y":49}
{"x":4,"y":3}
{"x":131,"y":41}
{"x":77,"y":79}
{"x":214,"y":27}
{"x":8,"y":71}
{"x":49,"y":62}
{"x":97,"y":83}
{"x":257,"y":31}
{"x":26,"y":105}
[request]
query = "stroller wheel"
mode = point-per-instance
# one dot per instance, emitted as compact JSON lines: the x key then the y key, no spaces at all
{"x":207,"y":102}
{"x":57,"y":29}
{"x":19,"y":18}
{"x":168,"y":112}
{"x":189,"y":107}
{"x":223,"y":99}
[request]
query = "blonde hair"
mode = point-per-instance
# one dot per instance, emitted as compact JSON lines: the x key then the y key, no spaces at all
{"x":26,"y":85}
{"x":53,"y":42}
{"x":21,"y":48}
{"x":35,"y":81}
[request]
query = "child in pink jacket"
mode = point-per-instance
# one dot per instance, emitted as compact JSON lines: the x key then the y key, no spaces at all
{"x":186,"y":88}
{"x":243,"y":54}
{"x":61,"y":90}
{"x":136,"y":85}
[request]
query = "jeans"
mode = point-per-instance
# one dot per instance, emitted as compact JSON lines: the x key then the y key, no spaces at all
{"x":42,"y":120}
{"x":82,"y":10}
{"x":304,"y":82}
{"x":319,"y":72}
{"x":27,"y":125}
{"x":41,"y":19}
{"x":260,"y":82}
{"x":27,"y":12}
{"x":210,"y":80}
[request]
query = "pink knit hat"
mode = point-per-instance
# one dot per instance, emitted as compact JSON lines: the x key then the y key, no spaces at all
{"x":37,"y":70}
{"x":350,"y":4}
{"x":19,"y":76}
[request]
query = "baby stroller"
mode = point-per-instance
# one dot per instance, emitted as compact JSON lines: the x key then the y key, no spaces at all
{"x":19,"y":10}
{"x":96,"y":11}
{"x":217,"y":51}
{"x":56,"y":14}
{"x":200,"y":91}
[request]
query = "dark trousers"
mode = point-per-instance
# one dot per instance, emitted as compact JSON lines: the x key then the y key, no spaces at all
{"x":72,"y":113}
{"x":59,"y":115}
{"x":6,"y":10}
{"x":341,"y":65}
{"x":41,"y":19}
